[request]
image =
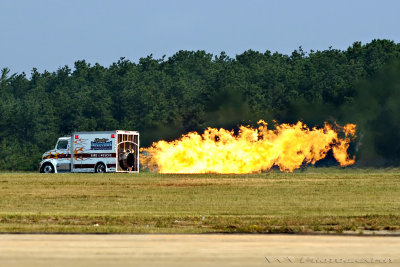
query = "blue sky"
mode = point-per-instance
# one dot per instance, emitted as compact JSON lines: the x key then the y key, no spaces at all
{"x":48,"y":34}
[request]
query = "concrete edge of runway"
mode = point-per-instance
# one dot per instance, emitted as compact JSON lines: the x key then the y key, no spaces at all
{"x":366,"y":233}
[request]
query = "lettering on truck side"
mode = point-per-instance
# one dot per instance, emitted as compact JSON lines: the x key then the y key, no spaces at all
{"x":99,"y":155}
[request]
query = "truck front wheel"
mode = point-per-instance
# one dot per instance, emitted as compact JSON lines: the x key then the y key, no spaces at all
{"x":100,"y":168}
{"x":47,"y":168}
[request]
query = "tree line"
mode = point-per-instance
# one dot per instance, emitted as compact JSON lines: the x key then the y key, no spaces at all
{"x":191,"y":90}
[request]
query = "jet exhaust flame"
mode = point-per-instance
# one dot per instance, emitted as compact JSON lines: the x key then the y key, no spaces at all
{"x":288,"y":146}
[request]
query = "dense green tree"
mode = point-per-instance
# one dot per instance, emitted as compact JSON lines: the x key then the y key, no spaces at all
{"x":191,"y":90}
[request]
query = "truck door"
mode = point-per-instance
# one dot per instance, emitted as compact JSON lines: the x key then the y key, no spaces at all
{"x":63,"y":155}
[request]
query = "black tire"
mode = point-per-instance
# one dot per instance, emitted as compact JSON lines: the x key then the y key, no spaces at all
{"x":100,"y":168}
{"x":47,"y":168}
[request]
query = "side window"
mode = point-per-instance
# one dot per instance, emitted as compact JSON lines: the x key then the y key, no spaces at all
{"x":62,"y":144}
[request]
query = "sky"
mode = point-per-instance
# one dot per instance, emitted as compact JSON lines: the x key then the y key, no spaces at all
{"x":49,"y":34}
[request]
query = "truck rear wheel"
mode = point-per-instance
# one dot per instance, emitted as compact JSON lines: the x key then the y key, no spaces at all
{"x":47,"y":168}
{"x":100,"y":168}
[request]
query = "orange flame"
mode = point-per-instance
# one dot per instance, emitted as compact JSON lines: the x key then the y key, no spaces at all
{"x":251,"y":150}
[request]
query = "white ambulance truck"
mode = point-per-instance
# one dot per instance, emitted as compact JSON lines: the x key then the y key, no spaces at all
{"x":111,"y":151}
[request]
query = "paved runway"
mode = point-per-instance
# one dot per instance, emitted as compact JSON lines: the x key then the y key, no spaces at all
{"x":198,"y":250}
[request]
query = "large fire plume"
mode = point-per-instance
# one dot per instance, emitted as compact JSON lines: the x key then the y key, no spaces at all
{"x":288,"y":146}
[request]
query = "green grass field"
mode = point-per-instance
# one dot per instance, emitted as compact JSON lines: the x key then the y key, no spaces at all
{"x":315,"y":199}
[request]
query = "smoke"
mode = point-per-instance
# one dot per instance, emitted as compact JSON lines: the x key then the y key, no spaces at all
{"x":227,"y":109}
{"x":373,"y":104}
{"x":376,"y":111}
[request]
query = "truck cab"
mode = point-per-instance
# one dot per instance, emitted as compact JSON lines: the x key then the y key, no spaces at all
{"x":59,"y":158}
